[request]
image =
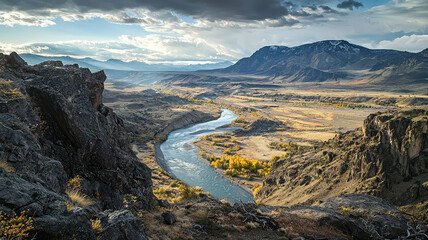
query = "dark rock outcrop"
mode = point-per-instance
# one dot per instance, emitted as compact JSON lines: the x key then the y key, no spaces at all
{"x":121,"y":225}
{"x":358,"y":215}
{"x":169,"y":217}
{"x":56,"y":129}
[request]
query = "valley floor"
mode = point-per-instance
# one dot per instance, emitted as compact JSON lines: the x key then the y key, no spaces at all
{"x":268,"y":118}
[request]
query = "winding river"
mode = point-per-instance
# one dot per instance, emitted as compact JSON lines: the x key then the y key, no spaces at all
{"x":181,"y":160}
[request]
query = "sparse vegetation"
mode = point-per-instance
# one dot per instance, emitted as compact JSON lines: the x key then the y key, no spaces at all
{"x":15,"y":226}
{"x":236,"y":165}
{"x":129,"y":202}
{"x":289,"y":147}
{"x":7,"y":91}
{"x":256,"y":190}
{"x":188,"y":192}
{"x":178,"y":191}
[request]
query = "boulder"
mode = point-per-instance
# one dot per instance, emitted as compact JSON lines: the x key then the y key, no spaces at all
{"x":48,"y":209}
{"x":121,"y":225}
{"x":169,"y":217}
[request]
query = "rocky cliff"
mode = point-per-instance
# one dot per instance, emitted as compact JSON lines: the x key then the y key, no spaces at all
{"x":53,"y":127}
{"x":387,"y":157}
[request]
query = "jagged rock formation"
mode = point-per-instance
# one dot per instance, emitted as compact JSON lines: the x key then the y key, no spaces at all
{"x":387,"y":157}
{"x":54,"y":128}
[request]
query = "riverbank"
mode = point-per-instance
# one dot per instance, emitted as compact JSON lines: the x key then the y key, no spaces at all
{"x":184,"y":120}
{"x":181,"y":159}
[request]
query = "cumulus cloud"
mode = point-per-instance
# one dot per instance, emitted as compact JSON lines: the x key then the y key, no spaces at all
{"x":406,"y":16}
{"x":350,"y":4}
{"x":151,"y":48}
{"x":413,"y":43}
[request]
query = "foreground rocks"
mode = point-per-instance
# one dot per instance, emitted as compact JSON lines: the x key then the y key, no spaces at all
{"x":352,"y":216}
{"x":54,"y":127}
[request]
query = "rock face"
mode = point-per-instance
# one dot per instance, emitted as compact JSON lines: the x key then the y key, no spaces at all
{"x":121,"y":225}
{"x":56,"y":128}
{"x":388,"y":157}
{"x":403,"y":138}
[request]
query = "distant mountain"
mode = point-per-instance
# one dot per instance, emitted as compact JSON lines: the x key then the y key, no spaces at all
{"x":115,"y":64}
{"x":333,"y":60}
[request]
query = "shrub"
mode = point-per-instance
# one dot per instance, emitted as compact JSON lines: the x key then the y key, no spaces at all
{"x":13,"y":226}
{"x":96,"y":226}
{"x":74,"y":183}
{"x":129,"y":201}
{"x":188,"y":192}
{"x":231,"y":172}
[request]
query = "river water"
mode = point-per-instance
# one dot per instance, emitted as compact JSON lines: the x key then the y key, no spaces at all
{"x":182,"y":160}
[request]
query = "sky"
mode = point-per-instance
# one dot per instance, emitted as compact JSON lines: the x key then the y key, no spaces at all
{"x":204,"y":31}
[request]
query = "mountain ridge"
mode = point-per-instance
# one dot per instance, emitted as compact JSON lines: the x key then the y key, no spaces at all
{"x":116,"y":64}
{"x":330,"y":60}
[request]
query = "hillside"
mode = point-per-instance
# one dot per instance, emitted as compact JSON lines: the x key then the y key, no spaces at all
{"x":333,"y":60}
{"x":387,"y":157}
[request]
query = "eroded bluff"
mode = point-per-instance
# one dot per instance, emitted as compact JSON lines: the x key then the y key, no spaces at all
{"x":53,"y":127}
{"x":387,"y":157}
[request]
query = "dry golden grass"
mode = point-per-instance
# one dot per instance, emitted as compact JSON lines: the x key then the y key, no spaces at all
{"x":200,"y":213}
{"x":79,"y":198}
{"x":157,"y":230}
{"x":6,"y":166}
{"x":7,"y":91}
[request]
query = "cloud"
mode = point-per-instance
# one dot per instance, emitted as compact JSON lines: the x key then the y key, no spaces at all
{"x":151,"y":48}
{"x":350,"y":4}
{"x":405,"y":15}
{"x":20,"y":18}
{"x":412,"y":43}
{"x":173,"y":37}
{"x":218,"y":9}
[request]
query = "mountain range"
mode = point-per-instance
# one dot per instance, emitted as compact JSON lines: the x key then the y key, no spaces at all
{"x":333,"y":60}
{"x":119,"y":65}
{"x":323,"y":61}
